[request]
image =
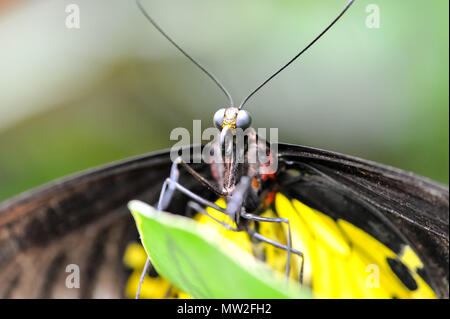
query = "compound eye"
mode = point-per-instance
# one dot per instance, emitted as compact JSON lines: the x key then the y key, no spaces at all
{"x":218,"y":118}
{"x":243,"y":120}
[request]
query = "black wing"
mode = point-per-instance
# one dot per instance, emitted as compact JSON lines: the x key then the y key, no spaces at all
{"x":416,"y":206}
{"x":82,"y":220}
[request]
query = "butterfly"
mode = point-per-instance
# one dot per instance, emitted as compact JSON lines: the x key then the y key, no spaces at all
{"x":345,"y":214}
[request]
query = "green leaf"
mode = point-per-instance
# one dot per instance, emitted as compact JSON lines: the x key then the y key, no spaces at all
{"x":187,"y":254}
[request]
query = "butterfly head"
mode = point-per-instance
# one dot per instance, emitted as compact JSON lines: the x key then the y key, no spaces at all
{"x":228,"y":119}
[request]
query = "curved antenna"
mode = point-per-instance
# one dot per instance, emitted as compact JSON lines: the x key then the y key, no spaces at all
{"x":298,"y":54}
{"x":201,"y":67}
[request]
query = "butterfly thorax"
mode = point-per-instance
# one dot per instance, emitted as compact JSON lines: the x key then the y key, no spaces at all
{"x":237,"y":154}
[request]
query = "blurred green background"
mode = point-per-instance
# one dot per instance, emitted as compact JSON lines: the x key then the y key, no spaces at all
{"x":76,"y":98}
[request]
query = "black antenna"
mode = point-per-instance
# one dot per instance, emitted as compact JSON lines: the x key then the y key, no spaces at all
{"x":201,"y":67}
{"x":298,"y":54}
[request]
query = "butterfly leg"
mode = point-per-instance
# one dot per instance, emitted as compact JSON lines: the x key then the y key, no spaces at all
{"x":285,"y":247}
{"x":167,"y":191}
{"x":191,"y":205}
{"x":235,"y":204}
{"x":235,"y":208}
{"x":288,"y":247}
{"x":171,"y":183}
